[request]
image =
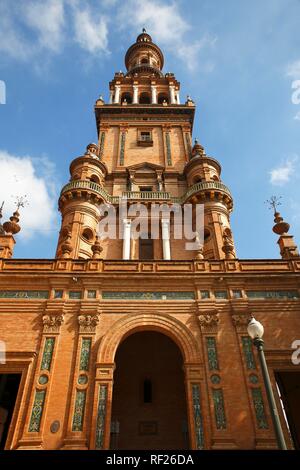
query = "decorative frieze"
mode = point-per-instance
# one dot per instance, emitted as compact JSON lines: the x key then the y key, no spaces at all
{"x":47,"y":353}
{"x":198,"y":421}
{"x":168,"y":148}
{"x":85,"y":354}
{"x":101,"y":143}
{"x":213,"y":363}
{"x":184,"y":295}
{"x":122,"y":147}
{"x":102,"y":398}
{"x":52,"y":323}
{"x":88,"y":323}
{"x":273,"y":294}
{"x":209,"y":322}
{"x":37,"y":411}
{"x":248,"y":352}
{"x":259,"y":408}
{"x":24,"y":294}
{"x":218,"y":400}
{"x":78,"y":416}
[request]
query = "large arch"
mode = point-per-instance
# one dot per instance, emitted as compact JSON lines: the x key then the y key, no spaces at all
{"x":162,"y":323}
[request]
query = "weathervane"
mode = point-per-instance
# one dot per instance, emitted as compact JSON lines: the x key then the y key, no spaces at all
{"x":21,"y":201}
{"x":274,"y":202}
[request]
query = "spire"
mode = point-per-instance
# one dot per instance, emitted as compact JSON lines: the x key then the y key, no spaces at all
{"x":288,"y":248}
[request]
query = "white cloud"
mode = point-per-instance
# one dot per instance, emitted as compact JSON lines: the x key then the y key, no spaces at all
{"x":164,"y":21}
{"x":281,"y":175}
{"x":166,"y":25}
{"x":90,"y":33}
{"x":18,"y":177}
{"x":12,"y":41}
{"x":190,"y":52}
{"x":47,"y":19}
{"x":297,"y":116}
{"x":33,"y":31}
{"x":293,"y":69}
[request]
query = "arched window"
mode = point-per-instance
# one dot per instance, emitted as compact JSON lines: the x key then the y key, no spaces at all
{"x":162,"y":97}
{"x":126,"y":96}
{"x":144,"y":98}
{"x":197,"y":179}
{"x":144,"y":60}
{"x":95,"y":179}
{"x":215,"y":178}
{"x":87,"y":234}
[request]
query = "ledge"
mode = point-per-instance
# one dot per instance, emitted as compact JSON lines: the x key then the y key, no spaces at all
{"x":202,"y":187}
{"x":107,"y":267}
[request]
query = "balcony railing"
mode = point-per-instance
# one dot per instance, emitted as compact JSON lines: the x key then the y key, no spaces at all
{"x":144,"y":195}
{"x":90,"y":185}
{"x":147,"y":195}
{"x":204,"y":185}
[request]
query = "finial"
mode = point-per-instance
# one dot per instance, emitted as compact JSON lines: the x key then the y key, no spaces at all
{"x":228,"y":246}
{"x":198,"y":149}
{"x":12,"y":226}
{"x":288,"y":248}
{"x":66,"y":247}
{"x":96,"y":248}
{"x":280,"y":226}
{"x":144,"y":30}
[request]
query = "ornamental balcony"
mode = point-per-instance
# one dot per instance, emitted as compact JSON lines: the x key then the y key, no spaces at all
{"x":79,"y":188}
{"x":203,"y":190}
{"x":207,"y":190}
{"x":147,"y":195}
{"x":204,"y":185}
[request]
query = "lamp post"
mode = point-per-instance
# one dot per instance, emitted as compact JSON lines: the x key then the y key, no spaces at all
{"x":256,"y":331}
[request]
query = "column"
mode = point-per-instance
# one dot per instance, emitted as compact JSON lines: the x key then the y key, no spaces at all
{"x":135,"y":94}
{"x":111,"y":96}
{"x":126,"y":238}
{"x":178,"y":96}
{"x":172,"y":94}
{"x":153,"y":94}
{"x":165,"y":227}
{"x":117,"y":94}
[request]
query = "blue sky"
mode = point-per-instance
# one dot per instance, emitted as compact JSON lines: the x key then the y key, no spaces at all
{"x":239,"y":61}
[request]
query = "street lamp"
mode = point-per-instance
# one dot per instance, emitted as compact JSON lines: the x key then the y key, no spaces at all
{"x":256,"y":331}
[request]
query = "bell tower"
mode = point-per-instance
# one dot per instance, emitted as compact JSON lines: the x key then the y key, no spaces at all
{"x":144,"y":155}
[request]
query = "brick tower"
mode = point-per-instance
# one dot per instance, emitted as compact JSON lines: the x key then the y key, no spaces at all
{"x":144,"y":154}
{"x":128,"y":342}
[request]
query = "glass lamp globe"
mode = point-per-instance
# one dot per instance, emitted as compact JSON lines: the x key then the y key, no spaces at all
{"x":255,"y":329}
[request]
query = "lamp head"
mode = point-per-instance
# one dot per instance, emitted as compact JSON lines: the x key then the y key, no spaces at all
{"x":255,"y":329}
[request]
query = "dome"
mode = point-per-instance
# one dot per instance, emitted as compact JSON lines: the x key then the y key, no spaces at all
{"x":144,"y":37}
{"x":144,"y":53}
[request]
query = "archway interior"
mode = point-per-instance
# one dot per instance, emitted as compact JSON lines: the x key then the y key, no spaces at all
{"x":149,"y":403}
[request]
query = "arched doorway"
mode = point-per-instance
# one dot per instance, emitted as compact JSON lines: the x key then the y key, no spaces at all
{"x":149,"y":402}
